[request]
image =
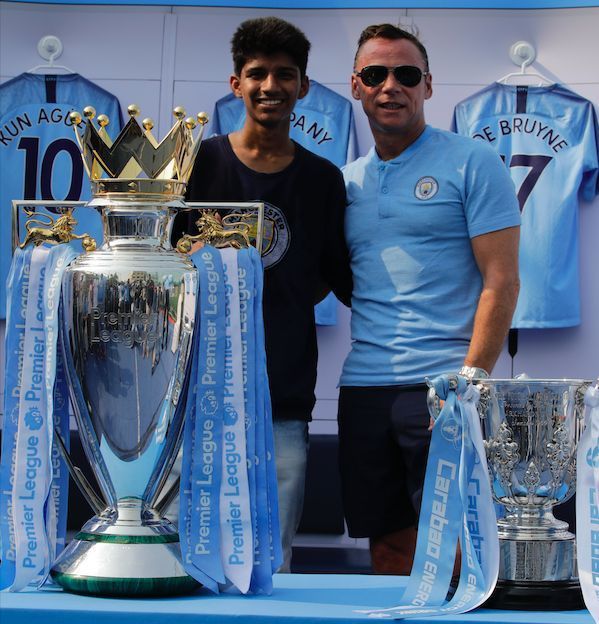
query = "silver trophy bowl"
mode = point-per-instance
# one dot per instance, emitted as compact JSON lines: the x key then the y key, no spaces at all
{"x":127,"y":325}
{"x":531,"y":429}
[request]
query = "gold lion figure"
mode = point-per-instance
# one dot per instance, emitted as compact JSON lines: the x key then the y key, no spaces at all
{"x":212,"y":232}
{"x":53,"y":231}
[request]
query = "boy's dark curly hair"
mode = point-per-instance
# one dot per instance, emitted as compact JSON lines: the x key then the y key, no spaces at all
{"x":269,"y":35}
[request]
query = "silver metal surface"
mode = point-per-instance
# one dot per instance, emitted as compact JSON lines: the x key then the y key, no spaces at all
{"x":128,"y":313}
{"x":540,"y":561}
{"x":115,"y":561}
{"x":531,"y":428}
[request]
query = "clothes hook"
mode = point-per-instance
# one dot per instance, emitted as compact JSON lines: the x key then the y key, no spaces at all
{"x":522,"y":53}
{"x":49,"y":48}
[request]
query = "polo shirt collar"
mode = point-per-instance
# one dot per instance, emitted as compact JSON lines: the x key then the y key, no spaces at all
{"x":376,"y":160}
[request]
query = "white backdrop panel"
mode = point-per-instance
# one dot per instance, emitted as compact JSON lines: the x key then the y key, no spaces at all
{"x":159,"y":57}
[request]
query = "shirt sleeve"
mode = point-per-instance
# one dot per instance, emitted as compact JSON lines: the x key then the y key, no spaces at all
{"x":490,"y":201}
{"x":589,"y":187}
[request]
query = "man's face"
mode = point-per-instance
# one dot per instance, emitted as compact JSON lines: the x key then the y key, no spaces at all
{"x":270,"y":87}
{"x":392,"y":108}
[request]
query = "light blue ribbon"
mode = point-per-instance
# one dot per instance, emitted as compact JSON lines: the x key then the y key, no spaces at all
{"x":202,"y":442}
{"x":60,"y":475}
{"x":268,"y":495}
{"x":209,"y":407}
{"x":16,"y":309}
{"x":57,"y":400}
{"x":33,"y":499}
{"x":245,"y":270}
{"x":440,"y":516}
{"x":236,"y":521}
{"x":456,"y":465}
{"x":587,"y":503}
{"x":261,"y":581}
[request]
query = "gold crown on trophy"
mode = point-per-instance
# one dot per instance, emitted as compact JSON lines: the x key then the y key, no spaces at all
{"x":135,"y":151}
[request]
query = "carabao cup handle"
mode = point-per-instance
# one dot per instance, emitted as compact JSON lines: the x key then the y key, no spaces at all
{"x":434,"y":397}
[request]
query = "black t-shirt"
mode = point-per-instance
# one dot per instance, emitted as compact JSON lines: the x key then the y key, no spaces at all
{"x":306,"y":208}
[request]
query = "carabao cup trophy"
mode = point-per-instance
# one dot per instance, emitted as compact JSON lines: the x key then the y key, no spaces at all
{"x":128,"y":312}
{"x":531,"y":429}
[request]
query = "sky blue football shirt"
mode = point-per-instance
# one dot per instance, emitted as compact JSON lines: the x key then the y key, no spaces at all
{"x":39,"y":155}
{"x":548,"y":137}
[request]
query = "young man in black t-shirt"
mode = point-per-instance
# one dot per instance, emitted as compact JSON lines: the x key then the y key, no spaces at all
{"x":305,"y":251}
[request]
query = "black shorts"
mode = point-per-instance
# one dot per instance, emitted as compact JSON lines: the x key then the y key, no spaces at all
{"x":383,"y":449}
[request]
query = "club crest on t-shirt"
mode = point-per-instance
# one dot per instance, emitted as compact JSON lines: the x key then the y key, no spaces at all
{"x":275,"y":234}
{"x":426,"y":188}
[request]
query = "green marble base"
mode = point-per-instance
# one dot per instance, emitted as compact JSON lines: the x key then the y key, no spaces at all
{"x":140,"y":562}
{"x":131,"y":587}
{"x":109,"y":538}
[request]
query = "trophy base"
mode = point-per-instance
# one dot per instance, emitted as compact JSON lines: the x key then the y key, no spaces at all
{"x":123,"y":587}
{"x":536,"y":596}
{"x":123,"y":565}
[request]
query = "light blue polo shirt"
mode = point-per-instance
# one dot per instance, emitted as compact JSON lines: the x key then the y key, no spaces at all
{"x":409,"y":222}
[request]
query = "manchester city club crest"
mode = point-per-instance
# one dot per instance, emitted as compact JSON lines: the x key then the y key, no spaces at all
{"x":426,"y":188}
{"x":275,"y":234}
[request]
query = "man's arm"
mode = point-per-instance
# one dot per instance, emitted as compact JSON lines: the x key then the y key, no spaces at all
{"x":496,"y":255}
{"x":335,"y":264}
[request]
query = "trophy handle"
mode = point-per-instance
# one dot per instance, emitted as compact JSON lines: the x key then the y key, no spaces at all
{"x":216,"y":232}
{"x":433,"y":400}
{"x":168,"y":497}
{"x":95,"y":502}
{"x":243,"y":224}
{"x":42,"y":227}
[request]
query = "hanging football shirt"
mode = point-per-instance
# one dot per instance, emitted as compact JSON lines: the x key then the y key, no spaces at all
{"x":322,"y":122}
{"x":39,"y":156}
{"x":549,"y":139}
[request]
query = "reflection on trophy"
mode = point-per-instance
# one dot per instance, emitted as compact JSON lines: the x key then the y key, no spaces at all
{"x":531,"y":429}
{"x":128,"y":321}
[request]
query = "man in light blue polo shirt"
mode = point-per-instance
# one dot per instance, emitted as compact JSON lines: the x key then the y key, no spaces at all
{"x":432,"y":226}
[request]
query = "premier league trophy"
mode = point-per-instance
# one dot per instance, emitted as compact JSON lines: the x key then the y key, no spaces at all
{"x":531,"y":428}
{"x":128,"y":312}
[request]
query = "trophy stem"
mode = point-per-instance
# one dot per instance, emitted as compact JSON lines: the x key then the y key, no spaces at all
{"x":532,"y":523}
{"x":127,"y":551}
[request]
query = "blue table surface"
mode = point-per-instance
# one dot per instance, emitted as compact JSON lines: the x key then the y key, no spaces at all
{"x":327,"y":598}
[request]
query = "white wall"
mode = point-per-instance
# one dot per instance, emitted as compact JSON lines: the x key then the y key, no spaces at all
{"x":159,"y":57}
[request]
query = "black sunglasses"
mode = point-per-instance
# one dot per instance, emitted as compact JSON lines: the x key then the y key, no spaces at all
{"x":406,"y":75}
